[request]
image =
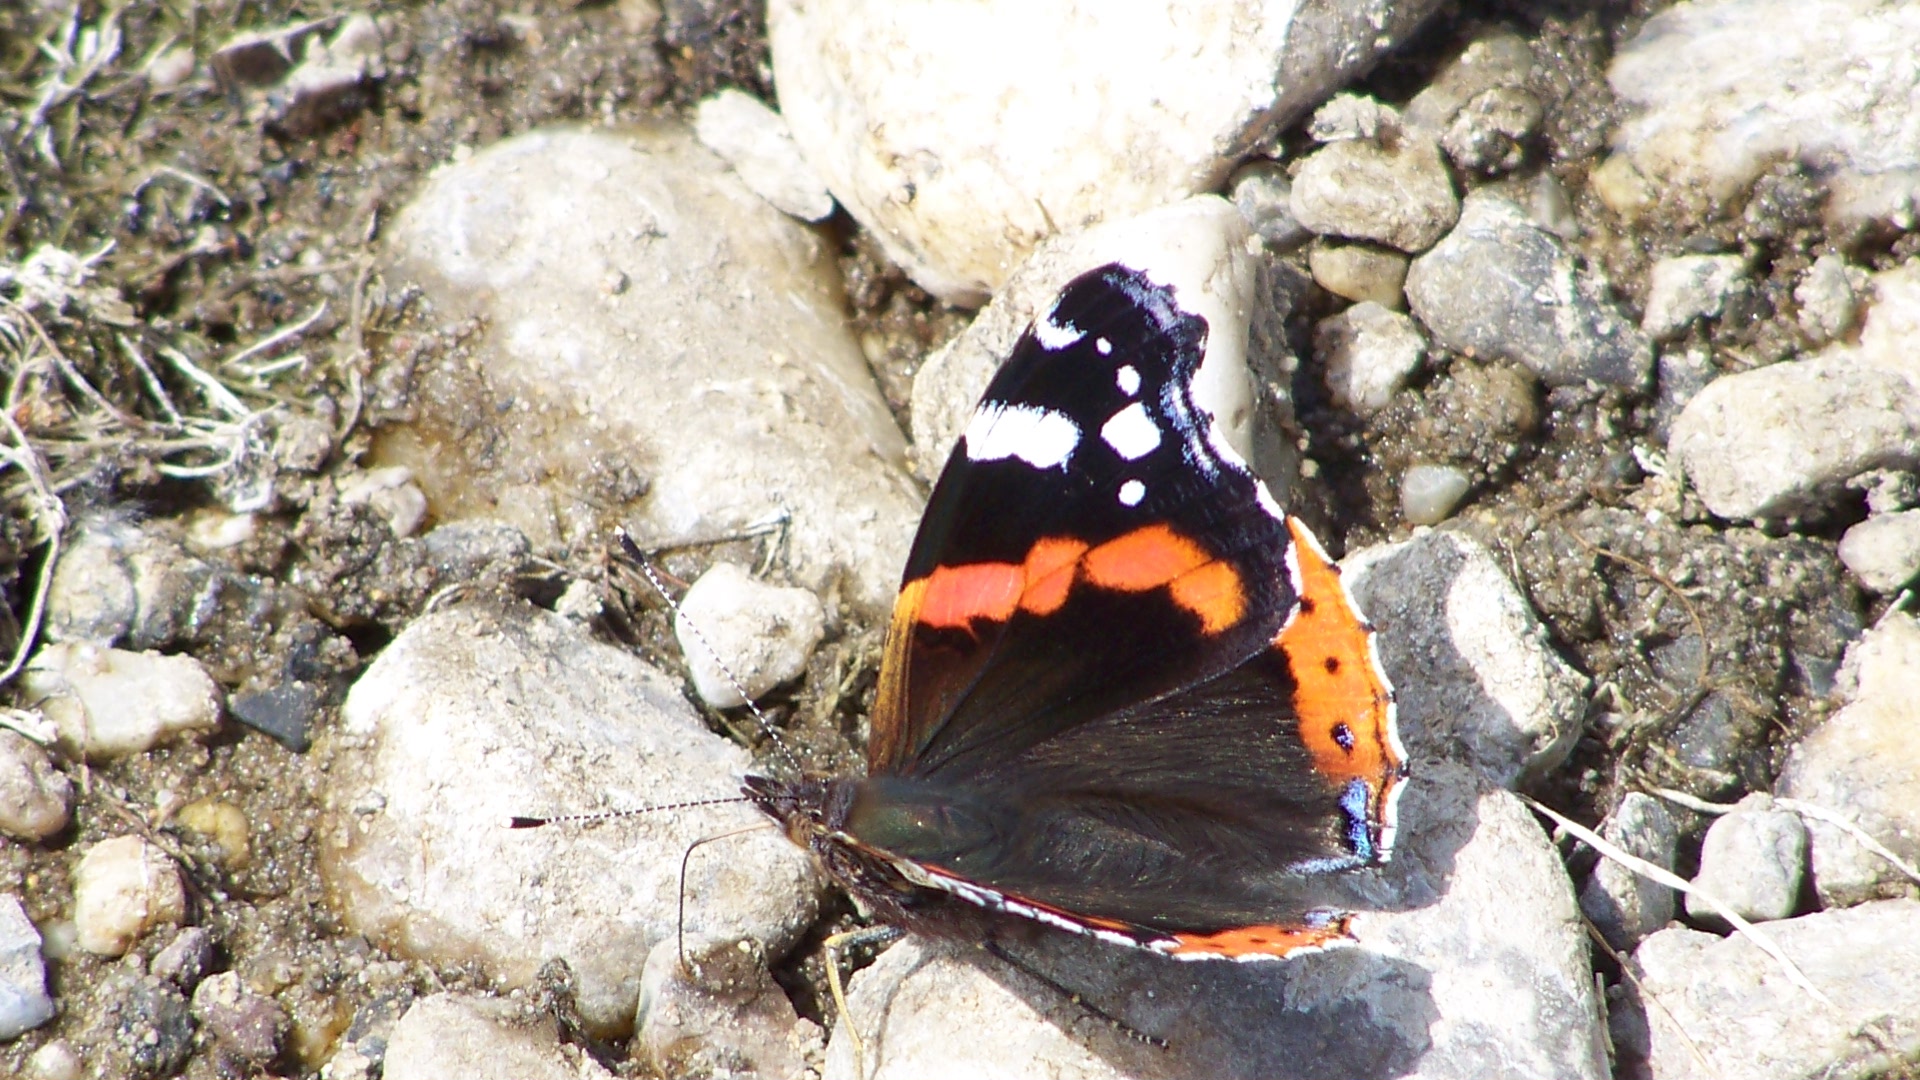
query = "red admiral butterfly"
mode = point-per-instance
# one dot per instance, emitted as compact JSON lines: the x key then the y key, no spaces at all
{"x":1123,"y":693}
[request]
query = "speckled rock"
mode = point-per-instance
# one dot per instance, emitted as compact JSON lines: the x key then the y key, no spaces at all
{"x":962,"y":135}
{"x":1393,"y":189}
{"x":755,"y":141}
{"x":1625,"y":906}
{"x":122,"y":888}
{"x":24,"y":1001}
{"x":1367,"y":353}
{"x":1718,"y":92}
{"x":1479,"y":105}
{"x":120,"y":584}
{"x":1726,"y":1010}
{"x":721,"y":1014}
{"x":741,"y":634}
{"x":1263,"y":193}
{"x":662,"y":345}
{"x":477,"y":713}
{"x":1754,"y":860}
{"x":1864,"y":764}
{"x":249,"y":1025}
{"x":1471,"y":963}
{"x":1493,"y":693}
{"x":34,"y":795}
{"x":481,"y":1039}
{"x":1688,"y":287}
{"x":1829,"y":297}
{"x":1884,"y":551}
{"x":109,"y":703}
{"x":1500,"y":286}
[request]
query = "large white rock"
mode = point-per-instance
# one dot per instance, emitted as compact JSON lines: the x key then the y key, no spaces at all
{"x":963,"y":134}
{"x":476,"y":714}
{"x":1718,"y":91}
{"x":661,"y":347}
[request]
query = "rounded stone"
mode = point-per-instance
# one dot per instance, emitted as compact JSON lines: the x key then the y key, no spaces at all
{"x":1754,"y":860}
{"x":109,"y":703}
{"x":1394,"y":191}
{"x":755,"y":141}
{"x":739,"y":634}
{"x":24,"y":1001}
{"x":122,"y":888}
{"x":1883,"y":552}
{"x":34,"y":796}
{"x":1429,"y":493}
{"x":1360,"y":272}
{"x":1368,"y":353}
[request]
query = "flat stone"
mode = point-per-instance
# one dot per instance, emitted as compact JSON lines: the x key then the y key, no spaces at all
{"x":738,"y":633}
{"x":1394,"y":190}
{"x":1883,"y":552}
{"x":663,"y":346}
{"x":755,"y":141}
{"x":1727,"y":1011}
{"x":1625,"y":906}
{"x":1360,"y":272}
{"x":122,"y":888}
{"x":481,"y":1039}
{"x":1501,"y":287}
{"x":1471,"y":963}
{"x":24,"y":1001}
{"x":34,"y":796}
{"x":1717,"y":93}
{"x":1492,"y":692}
{"x":474,"y":714}
{"x":109,"y":703}
{"x":1755,"y":861}
{"x":1683,"y":288}
{"x":1864,"y":764}
{"x":1367,"y":353}
{"x":960,"y":166}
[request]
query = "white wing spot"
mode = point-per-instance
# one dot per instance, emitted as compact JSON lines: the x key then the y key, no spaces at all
{"x":1128,"y":378}
{"x":1040,"y":437}
{"x":1131,"y":432}
{"x":1055,"y":336}
{"x":1132,"y":492}
{"x":1103,"y":345}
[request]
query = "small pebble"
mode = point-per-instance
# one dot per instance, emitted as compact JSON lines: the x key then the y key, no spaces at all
{"x":1688,"y":287}
{"x":1367,"y":353}
{"x":123,"y":888}
{"x":251,"y":1025}
{"x":111,"y":702}
{"x":55,"y":1060}
{"x":761,"y":634}
{"x":24,"y":1001}
{"x":1360,"y":272}
{"x":1396,"y":193}
{"x":1754,"y":860}
{"x":755,"y":141}
{"x":1263,"y":194}
{"x":1883,"y":552}
{"x":1623,"y":905}
{"x":222,"y":823}
{"x":1429,"y":493}
{"x":1490,"y":135}
{"x":185,"y":960}
{"x":34,"y":795}
{"x":1829,"y":298}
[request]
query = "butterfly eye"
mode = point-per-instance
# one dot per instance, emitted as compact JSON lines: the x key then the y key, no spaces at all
{"x":919,"y":824}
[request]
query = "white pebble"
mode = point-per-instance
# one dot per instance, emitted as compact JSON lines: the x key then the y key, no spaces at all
{"x":122,"y":888}
{"x":755,"y":141}
{"x":33,"y":794}
{"x":761,"y":633}
{"x":111,"y":702}
{"x":1367,"y":353}
{"x":24,"y":1003}
{"x":1884,"y":551}
{"x":1428,"y":493}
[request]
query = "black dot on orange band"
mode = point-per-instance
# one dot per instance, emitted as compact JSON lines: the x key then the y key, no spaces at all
{"x":1306,"y":605}
{"x":1332,"y":664}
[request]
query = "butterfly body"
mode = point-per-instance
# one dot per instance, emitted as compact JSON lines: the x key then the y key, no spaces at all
{"x":1123,"y":694}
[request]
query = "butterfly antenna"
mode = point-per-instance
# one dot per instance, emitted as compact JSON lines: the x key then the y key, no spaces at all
{"x":645,"y":566}
{"x":680,"y":927}
{"x":518,"y":822}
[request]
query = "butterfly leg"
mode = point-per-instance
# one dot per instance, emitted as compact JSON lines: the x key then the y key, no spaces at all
{"x":834,"y":946}
{"x":999,"y":952}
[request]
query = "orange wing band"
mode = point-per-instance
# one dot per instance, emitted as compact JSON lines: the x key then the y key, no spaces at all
{"x":1262,"y":940}
{"x":1343,"y":702}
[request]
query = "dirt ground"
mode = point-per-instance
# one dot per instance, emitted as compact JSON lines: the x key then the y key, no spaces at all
{"x":232,"y":222}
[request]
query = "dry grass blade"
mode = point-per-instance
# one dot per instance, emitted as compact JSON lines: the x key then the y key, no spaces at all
{"x":1762,"y":941}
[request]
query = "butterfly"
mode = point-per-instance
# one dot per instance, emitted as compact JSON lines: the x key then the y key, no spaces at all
{"x":1123,"y":693}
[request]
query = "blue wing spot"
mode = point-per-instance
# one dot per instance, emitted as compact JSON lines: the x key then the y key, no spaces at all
{"x":1355,"y":802}
{"x":1343,"y":735}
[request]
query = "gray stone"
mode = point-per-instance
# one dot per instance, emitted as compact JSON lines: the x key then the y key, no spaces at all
{"x":1479,"y":106}
{"x":1429,"y":493}
{"x":1471,"y":962}
{"x":756,"y":142}
{"x":1864,"y":764}
{"x":741,"y":634}
{"x":1491,"y":134}
{"x":721,"y":1014}
{"x":185,"y":960}
{"x":1501,"y":287}
{"x":124,"y":887}
{"x":108,"y":703}
{"x":481,"y":1039}
{"x":1492,"y":692}
{"x":24,"y":1001}
{"x":1263,"y":193}
{"x":960,"y":167}
{"x":1884,"y":550}
{"x":1367,"y":353}
{"x":1625,"y":906}
{"x":1754,"y":860}
{"x":1360,"y":272}
{"x":34,"y":796}
{"x":1829,"y":298}
{"x":1394,"y":190}
{"x":477,"y":713}
{"x":663,"y":348}
{"x":1718,"y":93}
{"x":1711,"y":1008}
{"x":1688,"y":287}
